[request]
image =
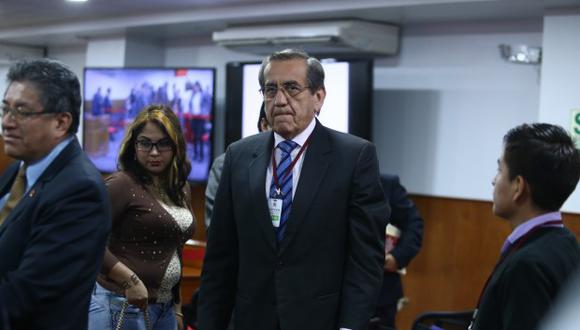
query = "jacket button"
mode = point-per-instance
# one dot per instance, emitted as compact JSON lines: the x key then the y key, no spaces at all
{"x":279,"y":265}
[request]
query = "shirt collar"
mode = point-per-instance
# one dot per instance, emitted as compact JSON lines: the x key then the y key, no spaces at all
{"x":34,"y":171}
{"x":525,"y":227}
{"x":301,"y":138}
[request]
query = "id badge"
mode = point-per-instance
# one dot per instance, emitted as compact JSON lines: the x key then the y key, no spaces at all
{"x":275,"y":210}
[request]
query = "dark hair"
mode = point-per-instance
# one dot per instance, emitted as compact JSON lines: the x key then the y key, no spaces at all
{"x":176,"y":175}
{"x":261,"y":116}
{"x":545,"y":156}
{"x":58,"y":85}
{"x":314,"y":73}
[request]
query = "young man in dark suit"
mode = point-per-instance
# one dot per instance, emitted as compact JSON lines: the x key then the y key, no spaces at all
{"x":55,"y":215}
{"x":297,"y":235}
{"x":407,"y":220}
{"x":537,"y":171}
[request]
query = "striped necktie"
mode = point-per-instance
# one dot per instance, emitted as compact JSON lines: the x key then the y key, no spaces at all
{"x":16,"y":192}
{"x":285,"y":183}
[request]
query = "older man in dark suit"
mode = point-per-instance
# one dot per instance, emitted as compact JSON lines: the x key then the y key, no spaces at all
{"x":55,"y":215}
{"x":297,"y":236}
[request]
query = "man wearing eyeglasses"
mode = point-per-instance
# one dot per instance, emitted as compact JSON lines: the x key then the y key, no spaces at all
{"x":54,"y":210}
{"x":297,"y":235}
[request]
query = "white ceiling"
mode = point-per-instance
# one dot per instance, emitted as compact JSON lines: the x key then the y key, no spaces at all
{"x":57,"y":22}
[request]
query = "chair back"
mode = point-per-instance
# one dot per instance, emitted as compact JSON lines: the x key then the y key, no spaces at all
{"x":438,"y":320}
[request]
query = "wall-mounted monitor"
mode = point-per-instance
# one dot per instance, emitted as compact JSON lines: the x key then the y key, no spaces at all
{"x":347,"y":107}
{"x":114,"y":96}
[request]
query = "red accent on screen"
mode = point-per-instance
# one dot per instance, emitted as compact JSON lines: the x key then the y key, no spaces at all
{"x":181,"y":72}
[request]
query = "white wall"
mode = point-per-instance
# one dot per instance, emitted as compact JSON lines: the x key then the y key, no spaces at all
{"x":75,"y":57}
{"x":442,"y":106}
{"x":144,"y":52}
{"x":560,"y":88}
{"x":106,"y":52}
{"x":10,"y":54}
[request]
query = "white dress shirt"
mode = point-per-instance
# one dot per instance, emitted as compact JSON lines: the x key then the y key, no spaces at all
{"x":300,"y":139}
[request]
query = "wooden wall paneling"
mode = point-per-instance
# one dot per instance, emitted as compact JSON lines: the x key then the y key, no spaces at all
{"x":198,"y":202}
{"x":191,"y":274}
{"x":572,"y":222}
{"x":461,"y":245}
{"x":4,"y":160}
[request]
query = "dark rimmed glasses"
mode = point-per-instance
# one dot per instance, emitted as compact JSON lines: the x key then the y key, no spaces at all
{"x":19,"y":113}
{"x":146,"y":145}
{"x":291,"y":89}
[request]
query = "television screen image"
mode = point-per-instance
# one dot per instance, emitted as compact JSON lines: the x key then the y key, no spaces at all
{"x":114,"y":96}
{"x":346,"y":106}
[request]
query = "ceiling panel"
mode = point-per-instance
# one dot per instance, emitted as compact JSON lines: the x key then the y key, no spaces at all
{"x":43,"y":22}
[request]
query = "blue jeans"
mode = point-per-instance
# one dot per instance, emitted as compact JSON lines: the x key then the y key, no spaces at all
{"x":105,"y":311}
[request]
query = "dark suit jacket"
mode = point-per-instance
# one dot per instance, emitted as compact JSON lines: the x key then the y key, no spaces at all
{"x":52,"y":245}
{"x":524,"y":286}
{"x":406,"y":217}
{"x":327,"y":271}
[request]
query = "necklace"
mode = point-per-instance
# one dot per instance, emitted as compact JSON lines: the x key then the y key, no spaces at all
{"x":160,"y":192}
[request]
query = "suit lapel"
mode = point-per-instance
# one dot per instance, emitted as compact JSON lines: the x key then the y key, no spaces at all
{"x":65,"y":156}
{"x":314,"y":168}
{"x":8,"y":178}
{"x":261,"y":157}
{"x":71,"y":150}
{"x":5,"y":186}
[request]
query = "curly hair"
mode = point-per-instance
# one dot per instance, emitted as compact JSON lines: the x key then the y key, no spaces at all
{"x":175,"y":177}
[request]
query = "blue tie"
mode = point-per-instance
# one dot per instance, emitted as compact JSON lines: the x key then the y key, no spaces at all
{"x":285,"y":183}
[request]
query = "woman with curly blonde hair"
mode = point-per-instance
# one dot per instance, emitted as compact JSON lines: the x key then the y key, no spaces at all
{"x":152,"y":218}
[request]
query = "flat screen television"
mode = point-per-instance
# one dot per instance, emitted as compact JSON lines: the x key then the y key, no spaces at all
{"x":114,"y":96}
{"x":347,"y":107}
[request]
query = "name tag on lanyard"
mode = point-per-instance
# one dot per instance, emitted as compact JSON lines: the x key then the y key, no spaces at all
{"x":275,"y":204}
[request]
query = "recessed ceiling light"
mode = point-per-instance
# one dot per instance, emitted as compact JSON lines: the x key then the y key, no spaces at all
{"x":77,"y":0}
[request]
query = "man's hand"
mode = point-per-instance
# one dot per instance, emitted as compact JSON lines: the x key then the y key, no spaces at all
{"x":391,"y":264}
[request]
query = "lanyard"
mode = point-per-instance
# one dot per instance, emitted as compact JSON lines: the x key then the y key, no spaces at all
{"x":290,"y":168}
{"x":516,"y":246}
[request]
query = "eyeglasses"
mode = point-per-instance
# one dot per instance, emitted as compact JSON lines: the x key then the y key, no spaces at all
{"x":147,"y":145}
{"x":291,"y":89}
{"x":19,"y":113}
